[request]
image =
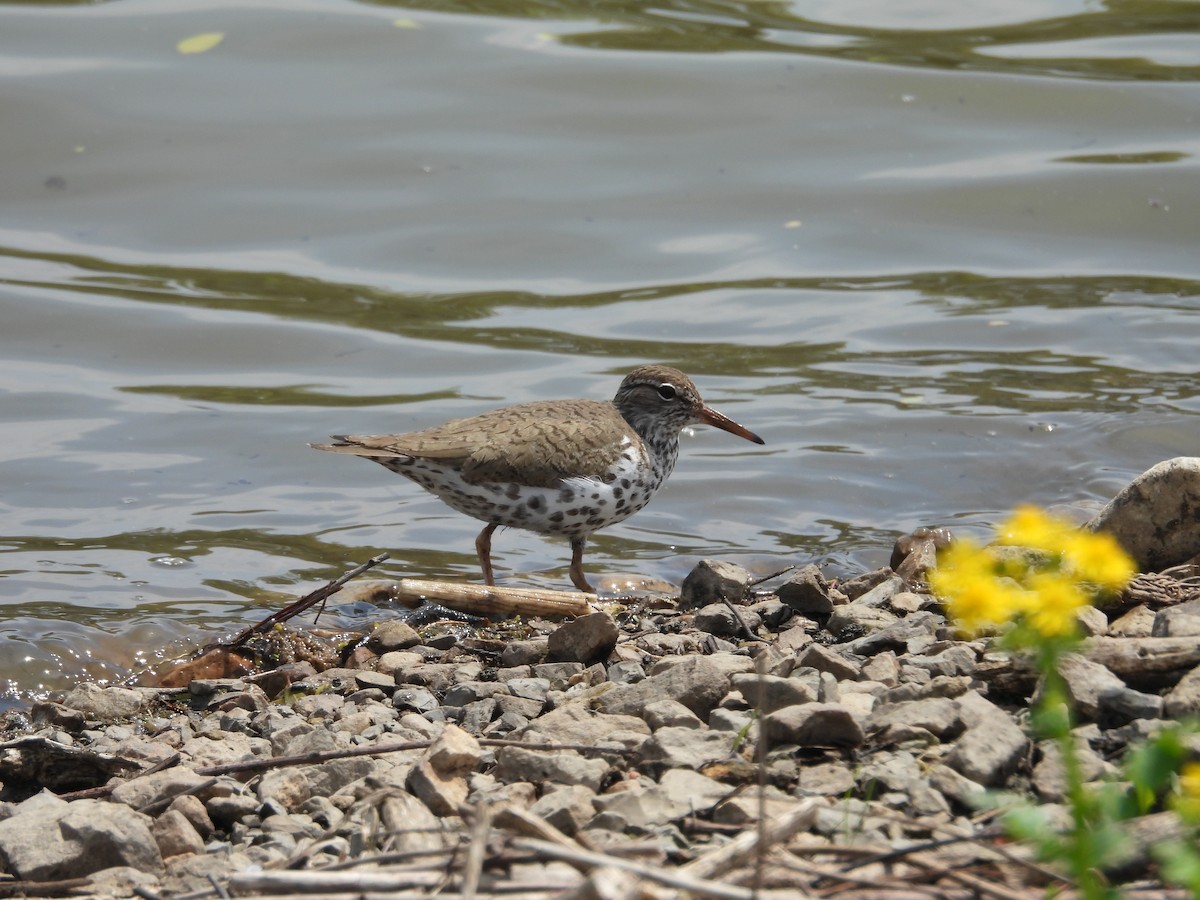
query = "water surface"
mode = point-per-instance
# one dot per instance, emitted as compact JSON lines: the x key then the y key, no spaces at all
{"x":941,"y":256}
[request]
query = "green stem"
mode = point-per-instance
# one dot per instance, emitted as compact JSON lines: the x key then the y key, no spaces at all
{"x":1083,"y":854}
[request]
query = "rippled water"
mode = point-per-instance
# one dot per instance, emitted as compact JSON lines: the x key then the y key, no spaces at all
{"x":943,"y":256}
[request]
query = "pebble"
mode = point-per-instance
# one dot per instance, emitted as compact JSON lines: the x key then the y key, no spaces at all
{"x":870,"y":706}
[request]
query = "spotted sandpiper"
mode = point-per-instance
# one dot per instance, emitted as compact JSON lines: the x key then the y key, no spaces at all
{"x":568,"y":467}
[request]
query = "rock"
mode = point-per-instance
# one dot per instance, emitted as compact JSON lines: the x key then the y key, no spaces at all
{"x":696,"y":794}
{"x":289,"y":787}
{"x":392,"y":635}
{"x":695,"y":681}
{"x":106,"y":835}
{"x":912,"y":634}
{"x":934,"y":717}
{"x":524,"y":653}
{"x":1183,"y":700}
{"x":825,"y":780}
{"x":808,"y":594}
{"x":992,"y":745}
{"x":193,"y":810}
{"x":670,"y":713}
{"x":1086,"y":681}
{"x":825,"y":659}
{"x":559,"y":767}
{"x":881,"y":595}
{"x":1138,"y":622}
{"x":31,"y":844}
{"x":689,"y":748}
{"x":454,"y":752}
{"x":776,"y":692}
{"x":814,"y":725}
{"x":712,"y":580}
{"x":567,"y":808}
{"x":105,"y":704}
{"x":1049,"y":778}
{"x":641,"y":807}
{"x":587,"y":639}
{"x":176,"y":836}
{"x":577,"y":723}
{"x":914,"y":554}
{"x":1177,"y":621}
{"x":728,"y":621}
{"x":852,"y":621}
{"x":442,"y":793}
{"x":1155,"y":517}
{"x":157,"y":786}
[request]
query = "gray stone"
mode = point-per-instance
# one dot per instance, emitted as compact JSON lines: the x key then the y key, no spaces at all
{"x":157,"y":786}
{"x":558,"y":767}
{"x":814,"y":725}
{"x":851,"y":621}
{"x":881,"y":595}
{"x":530,"y":688}
{"x":567,"y":808}
{"x":826,"y":659}
{"x":912,"y":634}
{"x":175,"y":835}
{"x":727,"y":621}
{"x":193,"y":809}
{"x":882,"y":667}
{"x":641,"y":807}
{"x":31,"y":844}
{"x":712,"y":580}
{"x":1182,"y":620}
{"x":393,"y":635}
{"x":772,"y":613}
{"x":775,"y":692}
{"x":1121,"y":706}
{"x":695,"y":793}
{"x":992,"y":745}
{"x":587,"y":639}
{"x":825,"y":780}
{"x":524,"y":653}
{"x":695,"y":681}
{"x":106,"y":835}
{"x":367,"y":679}
{"x":288,"y":786}
{"x":470,"y":691}
{"x":576,"y":723}
{"x":1049,"y":776}
{"x":956,"y":787}
{"x":808,"y":594}
{"x":626,"y":672}
{"x":105,"y":704}
{"x":670,"y":713}
{"x":932,"y":717}
{"x":1155,"y":517}
{"x":690,"y":748}
{"x":441,"y":792}
{"x":1138,"y":622}
{"x":416,"y":699}
{"x":1183,"y":700}
{"x":1086,"y":681}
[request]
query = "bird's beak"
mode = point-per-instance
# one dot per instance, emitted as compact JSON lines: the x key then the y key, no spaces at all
{"x":710,"y":416}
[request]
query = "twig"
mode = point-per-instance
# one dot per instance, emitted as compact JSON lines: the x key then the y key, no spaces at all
{"x":675,"y":878}
{"x":476,"y":850}
{"x":742,"y":848}
{"x":304,"y":603}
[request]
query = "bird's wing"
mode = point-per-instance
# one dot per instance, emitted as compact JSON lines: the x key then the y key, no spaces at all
{"x":537,"y":444}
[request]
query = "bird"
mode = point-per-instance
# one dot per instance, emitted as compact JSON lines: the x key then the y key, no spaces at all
{"x":559,"y":467}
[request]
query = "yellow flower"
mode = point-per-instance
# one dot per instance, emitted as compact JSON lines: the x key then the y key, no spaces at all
{"x":1029,"y":526}
{"x":976,"y":599}
{"x":1187,"y":803}
{"x":1098,"y":558}
{"x":1052,"y":604}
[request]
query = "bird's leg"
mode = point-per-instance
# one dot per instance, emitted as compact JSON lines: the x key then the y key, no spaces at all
{"x":483,"y":546}
{"x":577,"y":577}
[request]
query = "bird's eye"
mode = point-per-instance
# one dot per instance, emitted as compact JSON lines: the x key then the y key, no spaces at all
{"x":666,"y":391}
